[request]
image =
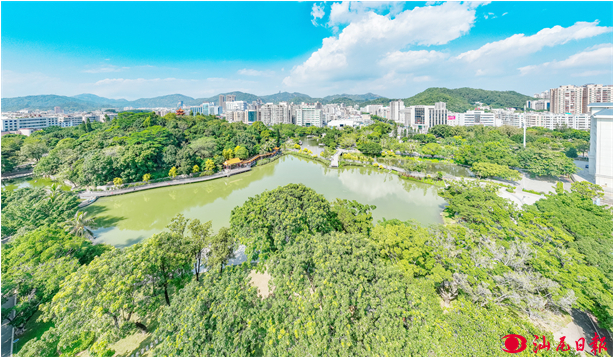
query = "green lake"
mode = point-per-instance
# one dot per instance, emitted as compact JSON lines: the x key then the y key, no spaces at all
{"x":30,"y":183}
{"x":127,"y":219}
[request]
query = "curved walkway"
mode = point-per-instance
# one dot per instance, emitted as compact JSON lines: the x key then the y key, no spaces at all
{"x":88,"y":195}
{"x":16,"y":176}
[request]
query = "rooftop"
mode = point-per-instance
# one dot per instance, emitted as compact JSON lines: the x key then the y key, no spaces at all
{"x":604,"y":104}
{"x":605,"y":112}
{"x":232,"y":161}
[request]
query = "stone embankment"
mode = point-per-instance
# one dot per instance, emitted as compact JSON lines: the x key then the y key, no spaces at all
{"x":90,"y":196}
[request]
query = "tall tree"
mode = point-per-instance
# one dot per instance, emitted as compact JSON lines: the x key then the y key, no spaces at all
{"x":34,"y":266}
{"x":221,"y":250}
{"x":198,"y":241}
{"x":271,"y":220}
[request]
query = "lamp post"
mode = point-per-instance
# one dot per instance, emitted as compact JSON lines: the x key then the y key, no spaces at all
{"x":524,"y":126}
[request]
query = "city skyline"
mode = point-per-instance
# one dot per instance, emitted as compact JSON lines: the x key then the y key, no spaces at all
{"x":392,"y":49}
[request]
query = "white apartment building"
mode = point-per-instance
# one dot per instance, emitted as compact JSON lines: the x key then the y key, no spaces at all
{"x":566,"y":99}
{"x":383,"y":112}
{"x":539,"y":105}
{"x":236,"y":105}
{"x":309,"y":115}
{"x":547,"y":120}
{"x":14,"y":124}
{"x":236,"y":116}
{"x":371,"y":109}
{"x":595,"y":94}
{"x":575,"y":99}
{"x":204,"y":109}
{"x":543,"y":95}
{"x":421,"y":118}
{"x":601,"y":148}
{"x":270,"y":113}
{"x":395,"y":110}
{"x":476,"y":118}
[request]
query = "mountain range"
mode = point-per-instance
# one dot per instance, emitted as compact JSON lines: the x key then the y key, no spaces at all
{"x":87,"y":101}
{"x":457,"y":100}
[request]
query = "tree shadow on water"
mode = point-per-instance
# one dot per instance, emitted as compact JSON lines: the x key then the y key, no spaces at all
{"x":107,"y":221}
{"x":94,"y":210}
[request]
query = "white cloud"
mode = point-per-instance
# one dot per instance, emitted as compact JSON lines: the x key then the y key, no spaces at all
{"x":252,"y":72}
{"x":411,"y":59}
{"x":422,"y":79}
{"x":596,"y":56}
{"x":151,"y":87}
{"x":591,"y":73}
{"x":374,"y":38}
{"x":519,"y":45}
{"x":106,"y":69}
{"x":317,"y":12}
{"x":29,"y":84}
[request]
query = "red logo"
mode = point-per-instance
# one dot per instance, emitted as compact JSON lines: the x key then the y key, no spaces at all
{"x":514,"y":343}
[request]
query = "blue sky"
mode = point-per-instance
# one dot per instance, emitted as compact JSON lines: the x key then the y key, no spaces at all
{"x":144,"y":49}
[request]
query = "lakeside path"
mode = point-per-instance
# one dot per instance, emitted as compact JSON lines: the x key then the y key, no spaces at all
{"x":7,"y":331}
{"x":92,"y":195}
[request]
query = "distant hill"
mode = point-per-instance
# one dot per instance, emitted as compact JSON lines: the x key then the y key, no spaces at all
{"x":458,"y":100}
{"x":353,"y":97}
{"x":170,"y":100}
{"x":461,"y":99}
{"x":88,"y":102}
{"x":88,"y":97}
{"x":47,"y":102}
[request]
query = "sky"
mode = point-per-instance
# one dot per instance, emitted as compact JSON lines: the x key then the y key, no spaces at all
{"x":394,"y":49}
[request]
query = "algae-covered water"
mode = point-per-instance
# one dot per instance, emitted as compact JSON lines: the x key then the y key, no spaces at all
{"x":127,"y":219}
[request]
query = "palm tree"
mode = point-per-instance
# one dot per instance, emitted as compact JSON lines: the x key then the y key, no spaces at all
{"x":53,"y":192}
{"x":267,"y":146}
{"x":79,"y":225}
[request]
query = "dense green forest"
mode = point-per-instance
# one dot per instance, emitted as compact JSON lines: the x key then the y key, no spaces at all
{"x":461,"y":99}
{"x":340,"y":283}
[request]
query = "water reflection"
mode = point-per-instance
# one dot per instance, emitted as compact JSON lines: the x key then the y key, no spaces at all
{"x":312,"y":145}
{"x":127,"y":219}
{"x":20,"y":183}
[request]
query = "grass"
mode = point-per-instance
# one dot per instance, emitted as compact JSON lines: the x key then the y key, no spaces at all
{"x":127,"y":346}
{"x":439,"y":183}
{"x":533,"y":192}
{"x":33,"y":330}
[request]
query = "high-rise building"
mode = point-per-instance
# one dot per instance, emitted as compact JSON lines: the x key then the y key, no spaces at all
{"x":438,"y":114}
{"x":222,"y":102}
{"x":421,"y":118}
{"x":308,"y":115}
{"x":542,"y":95}
{"x":252,"y":116}
{"x":595,"y":94}
{"x":236,"y":105}
{"x":57,"y":110}
{"x":601,"y":148}
{"x":395,"y":110}
{"x":180,"y":104}
{"x":538,"y":105}
{"x":231,"y":98}
{"x":270,"y":113}
{"x":575,"y":99}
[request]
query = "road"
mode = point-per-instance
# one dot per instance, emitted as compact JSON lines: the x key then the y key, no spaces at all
{"x":7,"y":332}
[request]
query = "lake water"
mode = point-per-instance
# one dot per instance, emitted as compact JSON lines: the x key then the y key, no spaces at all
{"x":30,"y":183}
{"x":127,"y":219}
